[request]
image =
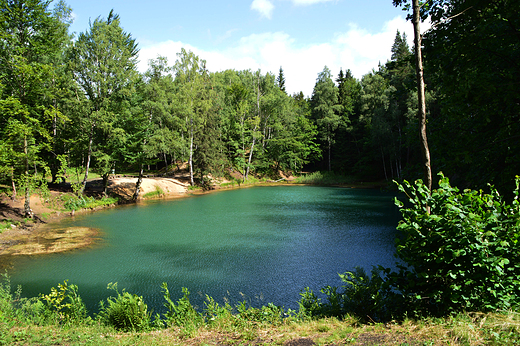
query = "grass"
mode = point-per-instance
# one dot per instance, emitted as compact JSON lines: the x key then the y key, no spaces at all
{"x":74,"y":202}
{"x":6,"y":224}
{"x":465,"y":329}
{"x":153,"y":194}
{"x":76,"y":175}
{"x":251,"y":180}
{"x":324,"y":178}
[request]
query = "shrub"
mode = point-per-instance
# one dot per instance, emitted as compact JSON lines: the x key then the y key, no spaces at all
{"x":366,"y":296}
{"x":309,"y":305}
{"x":461,"y":250}
{"x":126,"y":312}
{"x":16,"y":310}
{"x":269,"y":313}
{"x":65,"y":304}
{"x":362,"y":295}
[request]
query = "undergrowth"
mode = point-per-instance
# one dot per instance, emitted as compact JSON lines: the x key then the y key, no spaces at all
{"x":60,"y":317}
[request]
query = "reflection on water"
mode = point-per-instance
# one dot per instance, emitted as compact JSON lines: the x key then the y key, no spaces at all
{"x":264,"y":243}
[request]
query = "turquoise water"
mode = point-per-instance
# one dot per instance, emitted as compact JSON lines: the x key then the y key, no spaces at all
{"x":262,"y":244}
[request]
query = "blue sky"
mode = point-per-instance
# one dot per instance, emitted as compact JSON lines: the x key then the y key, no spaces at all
{"x":301,"y":36}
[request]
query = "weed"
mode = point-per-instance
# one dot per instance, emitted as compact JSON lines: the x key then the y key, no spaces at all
{"x":126,"y":312}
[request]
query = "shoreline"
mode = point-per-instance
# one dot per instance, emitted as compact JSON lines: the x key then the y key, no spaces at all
{"x":47,"y":237}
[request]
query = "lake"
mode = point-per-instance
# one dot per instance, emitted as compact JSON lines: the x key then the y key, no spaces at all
{"x":260,"y":244}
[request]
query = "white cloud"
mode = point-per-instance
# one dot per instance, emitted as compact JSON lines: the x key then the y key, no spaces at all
{"x":308,"y":2}
{"x":264,"y":7}
{"x":356,"y":49}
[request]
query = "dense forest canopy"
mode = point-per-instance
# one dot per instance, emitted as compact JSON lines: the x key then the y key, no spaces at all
{"x":81,"y":102}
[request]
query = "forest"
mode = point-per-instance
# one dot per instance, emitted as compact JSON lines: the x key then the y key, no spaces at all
{"x":77,"y":100}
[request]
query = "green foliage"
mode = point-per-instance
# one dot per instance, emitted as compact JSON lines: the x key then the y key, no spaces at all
{"x":65,"y":304}
{"x":126,"y":312}
{"x":182,"y":314}
{"x":77,"y":202}
{"x":475,"y":131}
{"x":310,"y":305}
{"x":15,"y":310}
{"x":461,"y":251}
{"x":157,"y":193}
{"x":6,"y":224}
{"x":214,"y":313}
{"x":363,"y":296}
{"x":269,"y":313}
{"x":323,"y":178}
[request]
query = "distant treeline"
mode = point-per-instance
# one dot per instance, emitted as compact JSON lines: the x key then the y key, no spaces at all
{"x":81,"y":102}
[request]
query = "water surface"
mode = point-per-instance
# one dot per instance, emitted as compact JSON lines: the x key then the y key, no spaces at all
{"x":263,"y":244}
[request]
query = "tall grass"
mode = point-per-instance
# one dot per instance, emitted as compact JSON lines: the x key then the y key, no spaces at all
{"x":158,"y":192}
{"x":324,"y":178}
{"x":74,"y":202}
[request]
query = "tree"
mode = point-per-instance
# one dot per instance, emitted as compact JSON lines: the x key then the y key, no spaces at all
{"x":325,"y":109}
{"x":281,"y":80}
{"x":31,"y":36}
{"x":192,"y":102}
{"x":400,"y":48}
{"x":104,"y":67}
{"x":473,"y":53}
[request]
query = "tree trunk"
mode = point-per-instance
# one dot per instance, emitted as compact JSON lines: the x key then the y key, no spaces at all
{"x":27,"y":203}
{"x":421,"y":95}
{"x":105,"y":183}
{"x":384,"y":164}
{"x":138,"y":184}
{"x":191,"y":152}
{"x":13,"y":197}
{"x":330,"y":145}
{"x":89,"y":154}
{"x":250,"y":156}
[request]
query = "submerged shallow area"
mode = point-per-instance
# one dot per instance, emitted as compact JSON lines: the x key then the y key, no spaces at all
{"x":261,"y":244}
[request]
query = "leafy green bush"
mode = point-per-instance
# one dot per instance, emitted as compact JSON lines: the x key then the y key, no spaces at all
{"x":65,"y":304}
{"x":461,"y":250}
{"x":362,"y":295}
{"x":16,"y":310}
{"x":126,"y":312}
{"x":309,"y":305}
{"x":269,"y":313}
{"x":366,"y":296}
